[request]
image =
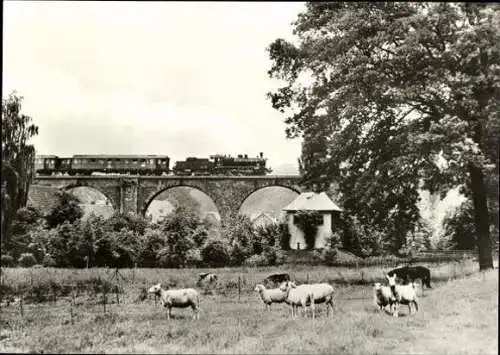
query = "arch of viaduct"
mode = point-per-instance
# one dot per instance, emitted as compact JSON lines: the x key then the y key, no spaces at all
{"x":135,"y":193}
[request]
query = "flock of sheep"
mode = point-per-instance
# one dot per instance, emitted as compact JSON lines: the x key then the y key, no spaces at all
{"x":393,"y":295}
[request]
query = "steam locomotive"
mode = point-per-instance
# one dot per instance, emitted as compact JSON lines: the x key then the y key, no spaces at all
{"x":222,"y":165}
{"x":150,"y":165}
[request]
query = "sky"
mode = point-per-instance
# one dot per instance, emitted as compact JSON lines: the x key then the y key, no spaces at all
{"x":175,"y":78}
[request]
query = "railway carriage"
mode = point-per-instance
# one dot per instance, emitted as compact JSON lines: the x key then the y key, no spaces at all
{"x":46,"y":164}
{"x":120,"y":164}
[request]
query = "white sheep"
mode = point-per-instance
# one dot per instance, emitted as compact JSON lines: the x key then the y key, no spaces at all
{"x":271,"y":295}
{"x":382,"y":295}
{"x":403,"y":294}
{"x":298,"y":296}
{"x":178,"y":298}
{"x":321,"y":293}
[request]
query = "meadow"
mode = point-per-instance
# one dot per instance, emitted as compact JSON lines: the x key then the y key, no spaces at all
{"x":459,"y":315}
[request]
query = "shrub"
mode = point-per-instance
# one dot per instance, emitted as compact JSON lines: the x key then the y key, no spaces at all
{"x":66,"y":210}
{"x":256,"y":260}
{"x":48,"y":261}
{"x":329,"y":256}
{"x":27,"y":260}
{"x":284,"y":237}
{"x":7,"y":260}
{"x":273,"y":255}
{"x":216,"y":253}
{"x":193,"y":257}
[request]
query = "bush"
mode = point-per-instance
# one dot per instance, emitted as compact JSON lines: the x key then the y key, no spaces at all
{"x":193,"y":258}
{"x":329,"y":256}
{"x":27,"y":260}
{"x":256,"y":260}
{"x":284,"y":237}
{"x":66,"y":210}
{"x":7,"y":260}
{"x":273,"y":255}
{"x":48,"y":261}
{"x":216,"y":253}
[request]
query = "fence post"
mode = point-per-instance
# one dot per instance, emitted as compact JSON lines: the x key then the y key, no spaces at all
{"x":71,"y":308}
{"x":104,"y":298}
{"x":117,"y":296}
{"x":239,"y":288}
{"x":307,"y":278}
{"x":21,"y":306}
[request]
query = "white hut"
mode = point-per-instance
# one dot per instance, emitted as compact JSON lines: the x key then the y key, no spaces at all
{"x":311,"y":201}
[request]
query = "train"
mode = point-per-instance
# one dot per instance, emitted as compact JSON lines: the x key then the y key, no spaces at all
{"x":222,"y":164}
{"x":46,"y":165}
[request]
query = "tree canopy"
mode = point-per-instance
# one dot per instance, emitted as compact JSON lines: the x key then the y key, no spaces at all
{"x":18,"y":158}
{"x":390,"y":98}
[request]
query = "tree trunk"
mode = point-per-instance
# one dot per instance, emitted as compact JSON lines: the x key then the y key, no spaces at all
{"x":484,"y":244}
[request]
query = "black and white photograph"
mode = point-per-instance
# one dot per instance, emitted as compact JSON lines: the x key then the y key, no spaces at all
{"x":230,"y":177}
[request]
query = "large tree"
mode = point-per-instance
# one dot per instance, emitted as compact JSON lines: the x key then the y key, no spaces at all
{"x":18,"y":158}
{"x":393,"y":97}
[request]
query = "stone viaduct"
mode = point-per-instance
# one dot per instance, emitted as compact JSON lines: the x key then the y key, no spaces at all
{"x":135,"y":193}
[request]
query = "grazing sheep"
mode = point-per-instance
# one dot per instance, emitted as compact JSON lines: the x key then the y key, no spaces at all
{"x":207,"y":281}
{"x":296,"y":297}
{"x":412,"y":273}
{"x":207,"y":278}
{"x":271,"y":295}
{"x":403,"y":294}
{"x":278,"y":278}
{"x":383,"y":297}
{"x":179,"y":298}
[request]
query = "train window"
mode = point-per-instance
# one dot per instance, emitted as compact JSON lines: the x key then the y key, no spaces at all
{"x":101,"y":161}
{"x":151,"y":161}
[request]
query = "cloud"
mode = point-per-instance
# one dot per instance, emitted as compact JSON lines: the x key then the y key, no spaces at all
{"x":148,"y":77}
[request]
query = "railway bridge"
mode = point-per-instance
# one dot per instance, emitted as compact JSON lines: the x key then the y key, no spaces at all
{"x":135,"y":193}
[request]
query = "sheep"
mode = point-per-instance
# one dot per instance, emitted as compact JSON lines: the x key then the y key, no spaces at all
{"x":403,"y":294}
{"x":208,"y":281}
{"x":179,"y":298}
{"x":278,"y":278}
{"x":321,"y":293}
{"x":296,"y":297}
{"x":412,"y":273}
{"x":382,"y":295}
{"x":206,"y":277}
{"x":271,"y":295}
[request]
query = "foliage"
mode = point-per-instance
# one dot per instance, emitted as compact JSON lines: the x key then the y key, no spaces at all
{"x":400,"y":96}
{"x":7,"y":260}
{"x":18,"y":158}
{"x":119,"y":221}
{"x":149,"y":244}
{"x":256,"y":260}
{"x":284,"y":237}
{"x":184,"y":230}
{"x":216,"y":253}
{"x":459,"y":227}
{"x":308,"y":222}
{"x":67,"y":209}
{"x":26,"y":260}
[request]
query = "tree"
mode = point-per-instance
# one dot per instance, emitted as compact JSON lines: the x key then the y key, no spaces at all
{"x":67,"y":209}
{"x":401,"y":96}
{"x":18,"y":159}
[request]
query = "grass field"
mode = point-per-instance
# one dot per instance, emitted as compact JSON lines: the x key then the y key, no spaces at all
{"x":457,"y":316}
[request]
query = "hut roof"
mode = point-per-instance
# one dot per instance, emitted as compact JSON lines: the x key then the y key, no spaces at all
{"x":311,"y":201}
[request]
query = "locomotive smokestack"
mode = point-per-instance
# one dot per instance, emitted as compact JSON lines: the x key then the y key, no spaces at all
{"x":261,"y":154}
